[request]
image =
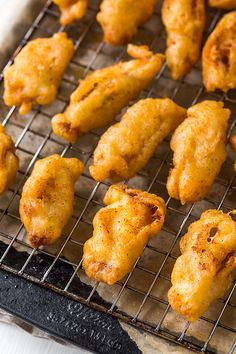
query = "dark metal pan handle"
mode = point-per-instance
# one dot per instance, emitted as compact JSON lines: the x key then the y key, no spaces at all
{"x":63,"y":317}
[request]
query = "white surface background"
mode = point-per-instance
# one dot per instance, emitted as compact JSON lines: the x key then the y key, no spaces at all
{"x":15,"y":19}
{"x":14,"y":340}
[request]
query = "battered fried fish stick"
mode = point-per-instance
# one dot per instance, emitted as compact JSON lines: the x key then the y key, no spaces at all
{"x":223,"y":4}
{"x":233,"y":143}
{"x":47,"y":199}
{"x":102,"y":95}
{"x":120,"y":19}
{"x":202,"y":273}
{"x":121,"y":230}
{"x":219,"y":56}
{"x":185,"y":22}
{"x":126,"y":147}
{"x":71,"y":10}
{"x":199,"y":145}
{"x":37,"y":72}
{"x":9,"y":162}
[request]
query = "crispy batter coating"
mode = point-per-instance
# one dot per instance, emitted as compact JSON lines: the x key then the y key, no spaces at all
{"x":121,"y":230}
{"x":9,"y":162}
{"x":219,"y":56}
{"x":199,"y":145}
{"x":126,"y":147}
{"x":71,"y":10}
{"x":233,"y":143}
{"x":202,"y":273}
{"x":185,"y":22}
{"x":223,"y":4}
{"x":37,"y":72}
{"x":120,"y":19}
{"x":47,"y":199}
{"x":102,"y":95}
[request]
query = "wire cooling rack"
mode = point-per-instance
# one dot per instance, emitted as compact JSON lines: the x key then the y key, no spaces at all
{"x":141,"y":298}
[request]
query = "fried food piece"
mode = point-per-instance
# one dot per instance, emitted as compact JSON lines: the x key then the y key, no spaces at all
{"x":47,"y":199}
{"x":199,"y":145}
{"x":219,"y":56}
{"x":120,"y":19}
{"x":71,"y":10}
{"x":223,"y":4}
{"x":185,"y":22}
{"x":102,"y":94}
{"x":202,"y":273}
{"x":126,"y":147}
{"x":9,"y":162}
{"x":37,"y":72}
{"x":121,"y":230}
{"x":233,"y":143}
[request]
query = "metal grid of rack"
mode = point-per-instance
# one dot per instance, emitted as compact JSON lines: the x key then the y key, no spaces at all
{"x":140,"y":298}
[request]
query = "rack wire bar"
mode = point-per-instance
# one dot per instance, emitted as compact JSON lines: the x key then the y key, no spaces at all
{"x":138,"y":300}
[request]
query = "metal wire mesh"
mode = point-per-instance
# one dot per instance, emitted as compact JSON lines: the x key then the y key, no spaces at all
{"x":140,"y":298}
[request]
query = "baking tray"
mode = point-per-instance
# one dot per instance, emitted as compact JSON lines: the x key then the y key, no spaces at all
{"x":48,"y":287}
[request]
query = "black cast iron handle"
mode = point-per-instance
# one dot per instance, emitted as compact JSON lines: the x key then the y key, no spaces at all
{"x":63,"y":317}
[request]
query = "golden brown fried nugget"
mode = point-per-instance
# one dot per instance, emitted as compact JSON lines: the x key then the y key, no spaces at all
{"x":223,"y":4}
{"x":37,"y":72}
{"x":121,"y":230}
{"x":202,"y":273}
{"x":102,"y":94}
{"x":219,"y":56}
{"x":199,"y":145}
{"x":233,"y":143}
{"x":126,"y":147}
{"x":71,"y":10}
{"x":47,"y":199}
{"x":120,"y":19}
{"x":185,"y":22}
{"x":9,"y":162}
